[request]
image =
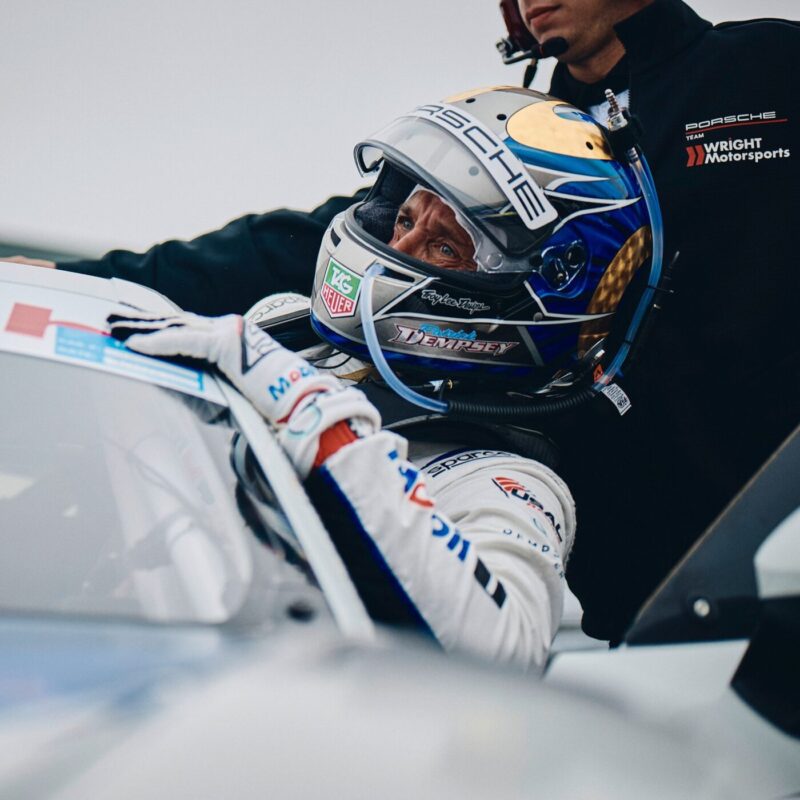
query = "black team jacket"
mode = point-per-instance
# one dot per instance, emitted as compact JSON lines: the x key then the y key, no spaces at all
{"x":717,"y":386}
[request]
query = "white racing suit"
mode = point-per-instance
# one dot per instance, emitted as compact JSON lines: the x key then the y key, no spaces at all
{"x":471,"y":543}
{"x":468,"y":545}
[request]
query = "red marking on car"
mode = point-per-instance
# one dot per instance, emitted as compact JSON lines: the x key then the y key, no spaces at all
{"x":34,"y":321}
{"x":28,"y":320}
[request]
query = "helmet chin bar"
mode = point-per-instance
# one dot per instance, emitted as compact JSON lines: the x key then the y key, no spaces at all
{"x":466,"y":410}
{"x":505,"y":411}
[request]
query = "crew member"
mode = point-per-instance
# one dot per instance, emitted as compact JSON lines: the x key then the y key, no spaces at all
{"x":717,"y":387}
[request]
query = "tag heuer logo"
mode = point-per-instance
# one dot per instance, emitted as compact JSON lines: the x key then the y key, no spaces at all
{"x":340,"y":290}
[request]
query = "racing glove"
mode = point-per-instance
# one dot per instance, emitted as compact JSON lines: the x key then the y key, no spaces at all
{"x":313,"y":412}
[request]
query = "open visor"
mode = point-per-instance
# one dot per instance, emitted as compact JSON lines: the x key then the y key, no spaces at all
{"x":507,"y":212}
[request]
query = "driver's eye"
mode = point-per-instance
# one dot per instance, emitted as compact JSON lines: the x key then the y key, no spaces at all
{"x":448,"y":251}
{"x":405,"y":223}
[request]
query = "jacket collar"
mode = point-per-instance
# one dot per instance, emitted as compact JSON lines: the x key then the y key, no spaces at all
{"x":658,"y":32}
{"x":652,"y":35}
{"x":584,"y":95}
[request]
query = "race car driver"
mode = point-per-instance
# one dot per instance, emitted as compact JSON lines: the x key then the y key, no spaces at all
{"x":492,"y":253}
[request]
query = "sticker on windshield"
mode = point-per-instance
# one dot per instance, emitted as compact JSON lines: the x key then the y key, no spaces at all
{"x":101,"y":349}
{"x":33,"y":330}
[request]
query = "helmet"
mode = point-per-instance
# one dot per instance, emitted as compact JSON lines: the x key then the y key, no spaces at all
{"x":550,"y":227}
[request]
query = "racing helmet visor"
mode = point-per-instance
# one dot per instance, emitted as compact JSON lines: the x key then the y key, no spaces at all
{"x":477,"y":174}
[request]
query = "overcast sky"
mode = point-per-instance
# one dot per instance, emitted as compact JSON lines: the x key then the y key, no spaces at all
{"x":126,"y":122}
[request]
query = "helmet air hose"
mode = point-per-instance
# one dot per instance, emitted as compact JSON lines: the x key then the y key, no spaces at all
{"x":376,"y":354}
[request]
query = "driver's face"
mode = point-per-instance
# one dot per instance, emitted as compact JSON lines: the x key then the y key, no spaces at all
{"x":427,"y":229}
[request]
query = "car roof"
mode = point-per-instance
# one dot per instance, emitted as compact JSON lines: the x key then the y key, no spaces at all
{"x":61,"y":316}
{"x":112,"y":289}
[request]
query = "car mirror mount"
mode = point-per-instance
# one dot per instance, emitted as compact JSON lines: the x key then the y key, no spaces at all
{"x":768,"y":677}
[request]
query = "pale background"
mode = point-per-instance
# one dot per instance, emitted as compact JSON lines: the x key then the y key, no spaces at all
{"x":125,"y":122}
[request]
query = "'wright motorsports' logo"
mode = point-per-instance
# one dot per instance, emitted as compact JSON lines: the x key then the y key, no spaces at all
{"x":733,"y":150}
{"x":340,"y":290}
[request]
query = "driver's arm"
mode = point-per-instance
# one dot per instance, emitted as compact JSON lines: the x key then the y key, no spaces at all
{"x":480,"y":567}
{"x":491,"y":585}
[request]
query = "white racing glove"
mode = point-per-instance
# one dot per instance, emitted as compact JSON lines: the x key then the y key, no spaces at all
{"x":288,"y":392}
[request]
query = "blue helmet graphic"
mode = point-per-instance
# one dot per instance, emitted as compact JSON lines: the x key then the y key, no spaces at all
{"x":527,"y":233}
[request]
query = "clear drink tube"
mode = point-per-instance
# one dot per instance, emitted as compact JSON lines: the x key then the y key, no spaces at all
{"x":376,"y":354}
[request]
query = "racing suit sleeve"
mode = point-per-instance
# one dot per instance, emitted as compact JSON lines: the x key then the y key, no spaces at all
{"x":229,"y":269}
{"x":478,"y":562}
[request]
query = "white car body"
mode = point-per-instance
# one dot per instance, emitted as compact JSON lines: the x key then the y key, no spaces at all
{"x":311,"y":700}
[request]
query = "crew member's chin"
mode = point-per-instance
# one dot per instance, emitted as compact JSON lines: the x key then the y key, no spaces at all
{"x":553,"y":47}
